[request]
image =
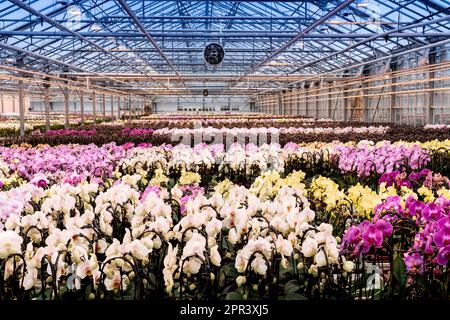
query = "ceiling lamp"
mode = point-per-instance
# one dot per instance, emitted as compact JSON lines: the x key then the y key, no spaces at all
{"x":74,"y":10}
{"x":96,"y":27}
{"x":363,"y":3}
{"x":299,"y":45}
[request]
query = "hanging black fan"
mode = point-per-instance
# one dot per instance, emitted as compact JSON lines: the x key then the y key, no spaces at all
{"x":213,"y":53}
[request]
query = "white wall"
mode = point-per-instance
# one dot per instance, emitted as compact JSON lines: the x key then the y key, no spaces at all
{"x":197,"y":103}
{"x":9,"y":104}
{"x":163,"y":104}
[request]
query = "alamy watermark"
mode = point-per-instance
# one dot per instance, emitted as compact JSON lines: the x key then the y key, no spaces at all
{"x":226,"y":137}
{"x":245,"y":156}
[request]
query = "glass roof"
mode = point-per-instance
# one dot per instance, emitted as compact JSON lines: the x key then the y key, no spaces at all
{"x":101,"y":37}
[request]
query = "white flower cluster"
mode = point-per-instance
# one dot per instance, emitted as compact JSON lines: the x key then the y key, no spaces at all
{"x":121,"y":199}
{"x":16,"y":200}
{"x":266,"y":157}
{"x":181,"y":157}
{"x":191,"y":159}
{"x":207,"y":132}
{"x":97,"y":234}
{"x":139,"y":160}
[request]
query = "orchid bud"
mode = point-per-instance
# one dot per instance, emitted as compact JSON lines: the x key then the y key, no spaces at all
{"x":240,"y":280}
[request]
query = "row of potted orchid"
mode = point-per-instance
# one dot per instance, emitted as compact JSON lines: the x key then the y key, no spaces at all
{"x":310,"y":209}
{"x":437,"y":127}
{"x":35,"y":124}
{"x":288,"y":235}
{"x":163,"y":133}
{"x":247,"y":132}
{"x":74,"y":164}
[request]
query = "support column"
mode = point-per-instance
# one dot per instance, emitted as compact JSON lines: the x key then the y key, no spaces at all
{"x":21,"y":109}
{"x":392,"y":100}
{"x":345,"y":104}
{"x":66,"y":108}
{"x":104,"y":107}
{"x":431,"y":75}
{"x":47,"y":108}
{"x":316,"y":107}
{"x":306,"y":102}
{"x":129,"y":108}
{"x":118,"y":107}
{"x":280,"y":102}
{"x":366,"y":101}
{"x":94,"y":102}
{"x":330,"y":101}
{"x":82,"y":106}
{"x":291,"y":102}
{"x":112,"y":107}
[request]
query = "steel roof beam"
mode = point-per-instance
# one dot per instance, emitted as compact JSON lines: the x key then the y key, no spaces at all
{"x":231,"y":34}
{"x":49,"y":20}
{"x":390,"y":32}
{"x":57,"y":62}
{"x":361,"y":64}
{"x":435,"y":6}
{"x":299,"y":36}
{"x":141,"y":27}
{"x":194,"y":49}
{"x":227,"y":1}
{"x":59,"y":10}
{"x":387,"y":33}
{"x":152,"y":18}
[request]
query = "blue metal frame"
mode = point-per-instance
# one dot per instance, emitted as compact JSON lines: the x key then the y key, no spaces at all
{"x":215,"y":18}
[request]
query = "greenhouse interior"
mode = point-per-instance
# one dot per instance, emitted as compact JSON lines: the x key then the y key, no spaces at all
{"x":225,"y":150}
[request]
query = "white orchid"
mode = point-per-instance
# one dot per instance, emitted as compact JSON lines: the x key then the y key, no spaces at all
{"x":215,"y":256}
{"x":283,"y":246}
{"x":213,"y":227}
{"x":259,"y":265}
{"x":195,"y":247}
{"x":10,"y":243}
{"x":309,"y":247}
{"x":116,"y":282}
{"x":137,"y":249}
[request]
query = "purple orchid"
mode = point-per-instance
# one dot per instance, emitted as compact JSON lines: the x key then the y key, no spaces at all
{"x":432,"y":211}
{"x":442,"y":237}
{"x":443,"y":255}
{"x":414,"y":263}
{"x":372,"y":236}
